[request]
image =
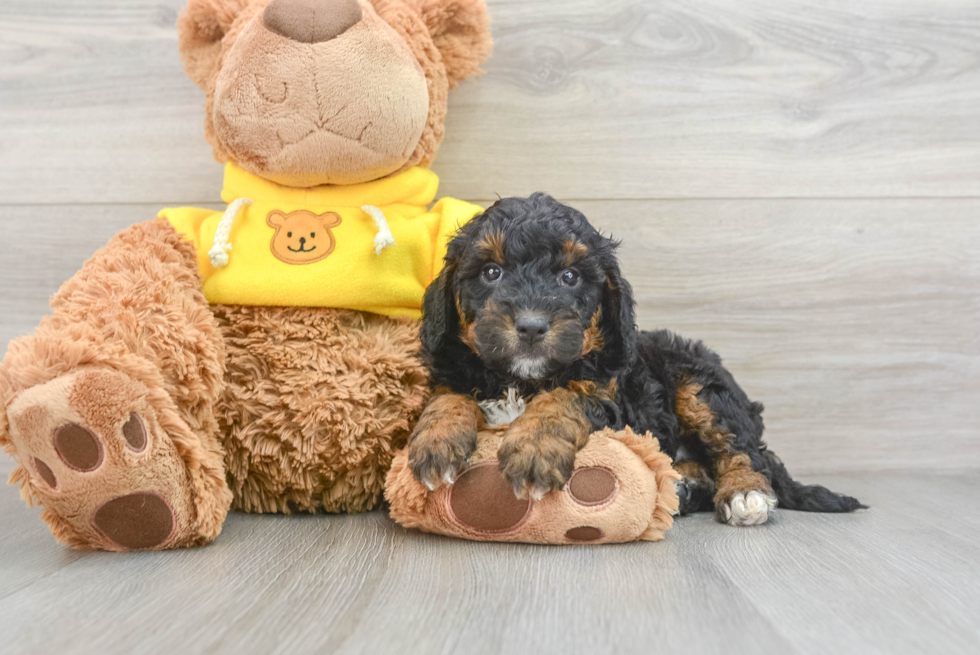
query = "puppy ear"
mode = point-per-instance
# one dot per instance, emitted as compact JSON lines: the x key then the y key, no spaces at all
{"x":201,"y":26}
{"x":618,"y":318}
{"x":439,"y":314}
{"x":460,"y":30}
{"x":275,"y":219}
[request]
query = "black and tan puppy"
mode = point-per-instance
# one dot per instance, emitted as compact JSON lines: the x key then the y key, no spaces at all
{"x":531,"y":298}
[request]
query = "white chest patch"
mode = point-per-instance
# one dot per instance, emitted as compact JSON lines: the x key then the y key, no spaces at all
{"x":503,"y":410}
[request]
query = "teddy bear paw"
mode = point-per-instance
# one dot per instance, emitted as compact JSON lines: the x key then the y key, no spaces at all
{"x":98,"y":459}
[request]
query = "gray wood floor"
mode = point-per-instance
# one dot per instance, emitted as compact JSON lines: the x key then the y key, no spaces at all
{"x":899,"y":578}
{"x":795,"y":181}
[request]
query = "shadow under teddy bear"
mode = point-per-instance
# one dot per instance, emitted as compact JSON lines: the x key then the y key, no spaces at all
{"x":188,"y":368}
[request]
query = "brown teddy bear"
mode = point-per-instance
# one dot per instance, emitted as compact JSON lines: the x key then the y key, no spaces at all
{"x":262,"y":358}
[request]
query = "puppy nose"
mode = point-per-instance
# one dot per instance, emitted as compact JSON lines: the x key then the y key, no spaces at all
{"x":531,"y":328}
{"x":311,"y":21}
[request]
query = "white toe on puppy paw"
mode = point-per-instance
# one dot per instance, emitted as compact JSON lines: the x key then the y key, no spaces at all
{"x":752,"y":508}
{"x":537,"y":493}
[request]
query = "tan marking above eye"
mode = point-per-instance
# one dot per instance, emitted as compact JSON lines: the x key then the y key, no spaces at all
{"x":573,"y":251}
{"x":492,"y":246}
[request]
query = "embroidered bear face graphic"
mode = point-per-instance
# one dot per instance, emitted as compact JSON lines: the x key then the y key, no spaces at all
{"x":302,"y":237}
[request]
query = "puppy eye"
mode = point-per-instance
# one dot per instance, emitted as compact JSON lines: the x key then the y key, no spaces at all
{"x":492,"y":272}
{"x":569,"y":277}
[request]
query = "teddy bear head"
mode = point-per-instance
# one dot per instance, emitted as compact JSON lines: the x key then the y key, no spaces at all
{"x":302,"y":237}
{"x":310,"y":92}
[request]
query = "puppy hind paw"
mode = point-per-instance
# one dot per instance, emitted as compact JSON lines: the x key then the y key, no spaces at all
{"x":748,"y":508}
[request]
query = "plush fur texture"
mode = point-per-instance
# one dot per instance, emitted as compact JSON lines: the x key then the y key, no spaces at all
{"x":389,"y":75}
{"x":641,"y":505}
{"x":306,"y":406}
{"x":135,"y":313}
{"x":532,"y":299}
{"x":316,"y":403}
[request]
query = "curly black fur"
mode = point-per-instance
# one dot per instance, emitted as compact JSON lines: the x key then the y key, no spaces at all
{"x":471,"y":348}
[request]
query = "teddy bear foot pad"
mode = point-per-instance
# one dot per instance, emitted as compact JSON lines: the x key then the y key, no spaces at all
{"x":481,"y":499}
{"x":622,"y":489}
{"x":97,"y":457}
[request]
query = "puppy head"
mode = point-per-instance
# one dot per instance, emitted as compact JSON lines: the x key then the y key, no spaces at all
{"x":530,"y":286}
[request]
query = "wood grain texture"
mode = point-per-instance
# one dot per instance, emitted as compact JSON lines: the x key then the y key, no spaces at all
{"x":584,"y":99}
{"x":857,"y":322}
{"x":899,"y":578}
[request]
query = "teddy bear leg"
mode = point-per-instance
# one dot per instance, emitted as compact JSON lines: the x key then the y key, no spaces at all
{"x":108,"y":407}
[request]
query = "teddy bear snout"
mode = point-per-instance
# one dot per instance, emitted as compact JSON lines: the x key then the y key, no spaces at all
{"x":311,"y":21}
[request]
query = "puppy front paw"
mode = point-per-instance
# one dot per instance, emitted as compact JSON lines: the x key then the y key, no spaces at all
{"x":436,"y":457}
{"x":536,"y":464}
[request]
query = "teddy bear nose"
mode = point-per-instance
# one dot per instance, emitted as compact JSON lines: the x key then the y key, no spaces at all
{"x":311,"y":21}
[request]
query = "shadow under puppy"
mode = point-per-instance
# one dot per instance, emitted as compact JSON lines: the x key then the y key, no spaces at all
{"x":531,"y":298}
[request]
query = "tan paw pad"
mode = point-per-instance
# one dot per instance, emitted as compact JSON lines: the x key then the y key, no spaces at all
{"x":584,"y":533}
{"x":593,"y":485}
{"x":44,"y":472}
{"x":78,"y":447}
{"x":136,"y":521}
{"x":99,"y":459}
{"x":483,"y":500}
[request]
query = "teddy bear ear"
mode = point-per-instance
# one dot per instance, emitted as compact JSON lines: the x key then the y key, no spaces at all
{"x":201,"y":26}
{"x":330,"y":219}
{"x":460,"y":30}
{"x":275,"y":219}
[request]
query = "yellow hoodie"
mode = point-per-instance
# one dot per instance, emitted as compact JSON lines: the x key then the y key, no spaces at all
{"x":370,"y":246}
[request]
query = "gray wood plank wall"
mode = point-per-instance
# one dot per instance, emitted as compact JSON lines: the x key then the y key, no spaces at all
{"x":796,"y":182}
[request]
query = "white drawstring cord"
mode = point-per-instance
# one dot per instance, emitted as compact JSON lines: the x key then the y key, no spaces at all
{"x":219,"y":249}
{"x":384,"y":238}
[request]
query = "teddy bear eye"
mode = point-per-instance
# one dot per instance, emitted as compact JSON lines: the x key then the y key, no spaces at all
{"x":312,"y":235}
{"x":289,"y":234}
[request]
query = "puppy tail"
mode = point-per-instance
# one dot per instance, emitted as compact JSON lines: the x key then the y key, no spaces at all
{"x":806,"y":497}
